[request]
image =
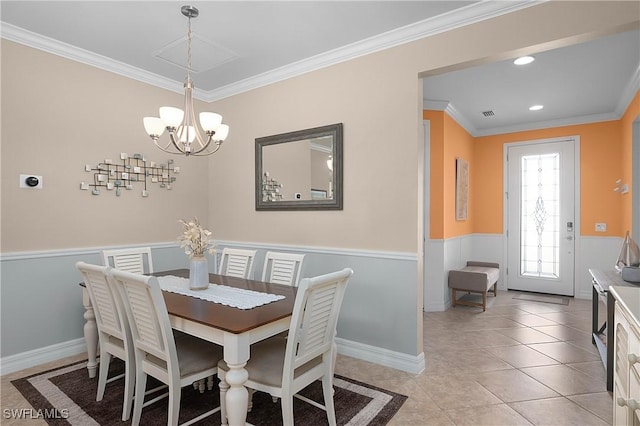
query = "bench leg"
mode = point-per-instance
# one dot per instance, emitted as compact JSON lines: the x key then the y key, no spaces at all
{"x":453,"y":295}
{"x":484,"y":301}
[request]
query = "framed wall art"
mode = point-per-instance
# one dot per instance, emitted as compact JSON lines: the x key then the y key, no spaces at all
{"x":462,"y":189}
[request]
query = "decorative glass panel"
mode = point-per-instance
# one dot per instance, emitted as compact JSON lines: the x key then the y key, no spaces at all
{"x":540,"y":221}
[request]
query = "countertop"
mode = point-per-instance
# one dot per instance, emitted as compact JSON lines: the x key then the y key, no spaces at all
{"x":629,"y":298}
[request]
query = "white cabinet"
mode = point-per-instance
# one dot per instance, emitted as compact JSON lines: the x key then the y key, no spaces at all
{"x":626,"y":366}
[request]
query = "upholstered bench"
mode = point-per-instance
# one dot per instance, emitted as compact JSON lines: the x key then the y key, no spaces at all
{"x":476,"y":277}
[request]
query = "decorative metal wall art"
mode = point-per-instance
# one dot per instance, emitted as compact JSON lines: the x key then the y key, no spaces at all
{"x":270,"y":188}
{"x":132,"y":170}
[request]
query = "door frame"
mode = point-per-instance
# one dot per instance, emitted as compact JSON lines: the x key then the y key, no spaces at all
{"x":505,"y":207}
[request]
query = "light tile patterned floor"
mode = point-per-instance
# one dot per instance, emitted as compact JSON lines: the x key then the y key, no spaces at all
{"x":518,"y":363}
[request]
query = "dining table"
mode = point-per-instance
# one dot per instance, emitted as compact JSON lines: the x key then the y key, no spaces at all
{"x":232,"y":328}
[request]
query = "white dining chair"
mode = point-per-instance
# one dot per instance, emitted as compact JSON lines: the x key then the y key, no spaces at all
{"x":137,"y":260}
{"x":283,"y":367}
{"x":113,"y":332}
{"x":237,"y":262}
{"x":282,"y":268}
{"x":174,"y":358}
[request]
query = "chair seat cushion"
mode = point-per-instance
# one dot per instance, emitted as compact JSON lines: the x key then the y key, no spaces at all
{"x":191,"y":352}
{"x":474,"y":278}
{"x":492,"y":273}
{"x":267,"y":362}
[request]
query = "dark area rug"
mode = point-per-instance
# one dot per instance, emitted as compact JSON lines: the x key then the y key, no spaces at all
{"x":67,"y":395}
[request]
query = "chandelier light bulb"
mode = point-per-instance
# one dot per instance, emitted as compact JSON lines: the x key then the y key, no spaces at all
{"x":172,"y":117}
{"x":210,"y":121}
{"x":154,"y":126}
{"x":186,"y":133}
{"x":222,"y":132}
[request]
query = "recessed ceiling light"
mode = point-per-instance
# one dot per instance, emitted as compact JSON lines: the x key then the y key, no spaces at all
{"x":536,"y":107}
{"x":524,"y":60}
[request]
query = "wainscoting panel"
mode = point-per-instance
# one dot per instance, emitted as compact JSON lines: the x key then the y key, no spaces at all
{"x":379,"y":307}
{"x":43,"y":316}
{"x":490,"y":248}
{"x":453,"y":253}
{"x":594,"y":253}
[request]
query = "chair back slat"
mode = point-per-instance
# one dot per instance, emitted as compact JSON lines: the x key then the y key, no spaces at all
{"x":135,"y":260}
{"x":282,"y":268}
{"x":237,"y":263}
{"x":314,"y":319}
{"x":147,"y":313}
{"x":102,"y":299}
{"x":237,"y":266}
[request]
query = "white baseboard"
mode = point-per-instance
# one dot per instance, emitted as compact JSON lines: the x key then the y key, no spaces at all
{"x":436,"y":307}
{"x":399,"y":361}
{"x":17,"y":362}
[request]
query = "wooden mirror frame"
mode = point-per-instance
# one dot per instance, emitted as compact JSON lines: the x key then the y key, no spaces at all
{"x":335,"y":203}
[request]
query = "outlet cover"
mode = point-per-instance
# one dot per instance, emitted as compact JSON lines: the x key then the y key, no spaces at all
{"x":601,"y":227}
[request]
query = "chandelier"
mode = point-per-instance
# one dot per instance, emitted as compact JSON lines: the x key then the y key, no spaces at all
{"x":184,"y":135}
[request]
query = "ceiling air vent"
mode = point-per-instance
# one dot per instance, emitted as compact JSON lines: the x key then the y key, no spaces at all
{"x":488,"y":113}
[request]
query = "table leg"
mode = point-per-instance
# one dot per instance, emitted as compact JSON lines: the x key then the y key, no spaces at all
{"x":594,"y":312}
{"x":90,"y":334}
{"x":236,"y":355}
{"x":237,"y":399}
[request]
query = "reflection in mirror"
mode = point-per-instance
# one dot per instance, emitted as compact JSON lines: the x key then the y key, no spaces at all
{"x":300,"y":170}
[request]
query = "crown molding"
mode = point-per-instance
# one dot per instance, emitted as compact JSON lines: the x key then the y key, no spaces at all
{"x":464,"y":16}
{"x":458,"y":18}
{"x":629,"y":93}
{"x":434,"y":105}
{"x":28,"y":38}
{"x":561,"y":122}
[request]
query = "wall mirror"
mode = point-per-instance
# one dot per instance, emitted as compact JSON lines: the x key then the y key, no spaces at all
{"x":300,"y":170}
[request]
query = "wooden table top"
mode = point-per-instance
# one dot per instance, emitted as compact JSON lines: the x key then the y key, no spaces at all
{"x":227,"y":318}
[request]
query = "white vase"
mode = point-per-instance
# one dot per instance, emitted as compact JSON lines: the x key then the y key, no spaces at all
{"x":198,"y":273}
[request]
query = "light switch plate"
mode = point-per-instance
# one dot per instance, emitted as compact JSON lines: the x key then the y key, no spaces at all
{"x":601,"y":227}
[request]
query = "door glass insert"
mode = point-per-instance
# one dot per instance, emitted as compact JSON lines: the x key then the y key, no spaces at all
{"x":540,"y":211}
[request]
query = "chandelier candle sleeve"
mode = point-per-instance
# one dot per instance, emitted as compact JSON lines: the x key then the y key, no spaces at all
{"x":184,"y":134}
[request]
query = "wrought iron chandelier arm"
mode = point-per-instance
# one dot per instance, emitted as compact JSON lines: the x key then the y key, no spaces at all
{"x":217,"y":143}
{"x":164,"y":148}
{"x":172,"y":138}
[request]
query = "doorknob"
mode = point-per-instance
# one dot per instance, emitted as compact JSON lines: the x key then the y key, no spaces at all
{"x":569,"y":237}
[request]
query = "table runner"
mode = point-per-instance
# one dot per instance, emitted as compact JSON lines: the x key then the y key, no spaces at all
{"x":229,"y":296}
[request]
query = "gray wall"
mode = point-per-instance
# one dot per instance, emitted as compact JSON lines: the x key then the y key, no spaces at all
{"x":42,"y":301}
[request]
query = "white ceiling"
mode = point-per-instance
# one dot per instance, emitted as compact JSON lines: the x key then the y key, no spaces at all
{"x":587,"y":82}
{"x":241,"y":45}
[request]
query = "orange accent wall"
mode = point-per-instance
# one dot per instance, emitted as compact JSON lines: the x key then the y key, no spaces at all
{"x":633,"y":112}
{"x":436,"y":174}
{"x":600,"y":161}
{"x":458,"y":144}
{"x":605,"y":156}
{"x":448,"y":141}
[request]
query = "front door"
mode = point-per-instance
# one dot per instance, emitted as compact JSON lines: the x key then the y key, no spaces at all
{"x":540,"y":217}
